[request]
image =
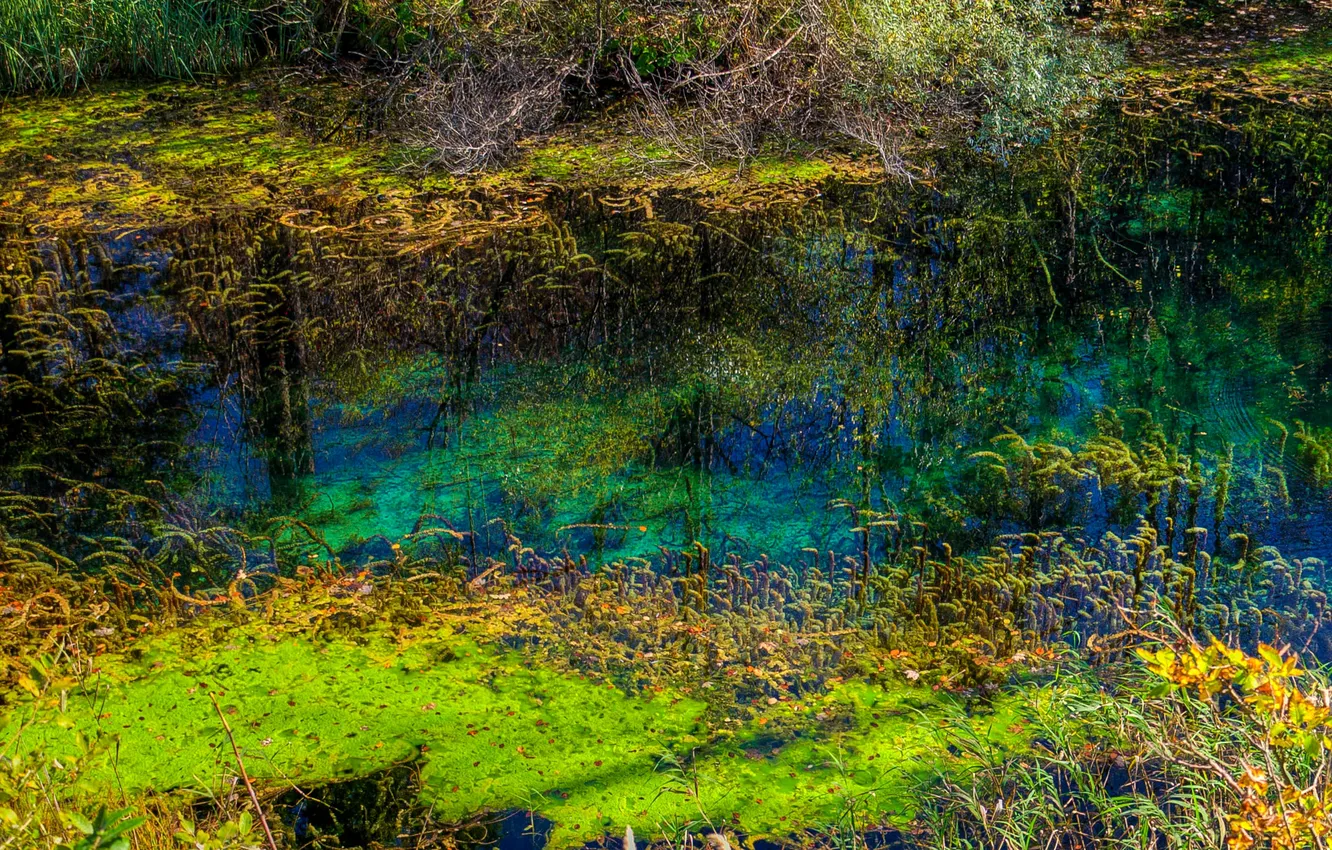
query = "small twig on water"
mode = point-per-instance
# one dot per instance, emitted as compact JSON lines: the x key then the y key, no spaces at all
{"x":245,"y":777}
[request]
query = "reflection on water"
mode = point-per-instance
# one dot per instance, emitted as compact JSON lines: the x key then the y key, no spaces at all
{"x":613,"y":375}
{"x":643,"y":372}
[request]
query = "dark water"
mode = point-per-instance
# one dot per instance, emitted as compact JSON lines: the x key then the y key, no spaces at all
{"x":629,"y":374}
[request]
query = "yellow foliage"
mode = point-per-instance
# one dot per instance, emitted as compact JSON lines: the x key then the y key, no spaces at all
{"x":1280,"y":805}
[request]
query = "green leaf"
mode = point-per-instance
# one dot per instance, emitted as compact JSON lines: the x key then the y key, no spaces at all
{"x":1270,"y":655}
{"x":79,"y":822}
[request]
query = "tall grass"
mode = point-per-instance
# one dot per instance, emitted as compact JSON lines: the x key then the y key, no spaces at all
{"x":56,"y":45}
{"x":1206,"y":748}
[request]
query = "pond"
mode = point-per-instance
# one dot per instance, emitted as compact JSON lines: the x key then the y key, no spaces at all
{"x":630,"y":373}
{"x":813,"y":435}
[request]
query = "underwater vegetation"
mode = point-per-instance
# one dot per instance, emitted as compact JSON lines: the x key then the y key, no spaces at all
{"x":744,"y":676}
{"x":481,"y":718}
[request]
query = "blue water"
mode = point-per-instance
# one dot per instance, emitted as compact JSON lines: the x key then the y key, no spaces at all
{"x":861,"y":350}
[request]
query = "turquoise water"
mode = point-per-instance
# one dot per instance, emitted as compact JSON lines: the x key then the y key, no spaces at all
{"x":624,"y":385}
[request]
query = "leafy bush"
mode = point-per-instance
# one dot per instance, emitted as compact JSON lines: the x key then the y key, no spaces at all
{"x":1014,"y":63}
{"x":720,"y":80}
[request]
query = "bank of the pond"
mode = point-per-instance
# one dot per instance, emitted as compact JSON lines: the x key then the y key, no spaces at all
{"x":153,"y":156}
{"x":129,"y":157}
{"x":492,"y":729}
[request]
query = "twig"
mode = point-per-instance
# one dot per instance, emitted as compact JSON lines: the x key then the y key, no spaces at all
{"x":245,"y":777}
{"x":755,"y":64}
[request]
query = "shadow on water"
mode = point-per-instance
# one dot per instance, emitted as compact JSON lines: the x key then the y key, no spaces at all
{"x":377,"y":809}
{"x":383,"y":809}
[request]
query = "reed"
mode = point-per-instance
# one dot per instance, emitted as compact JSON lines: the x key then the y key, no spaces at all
{"x":57,"y":45}
{"x":1205,"y":747}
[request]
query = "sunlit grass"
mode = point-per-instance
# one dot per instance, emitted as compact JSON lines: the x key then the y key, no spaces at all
{"x":57,"y":45}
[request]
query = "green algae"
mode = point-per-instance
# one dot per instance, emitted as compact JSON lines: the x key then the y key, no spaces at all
{"x":1170,"y":210}
{"x":771,"y":171}
{"x":559,"y":160}
{"x":492,"y":729}
{"x":598,"y":157}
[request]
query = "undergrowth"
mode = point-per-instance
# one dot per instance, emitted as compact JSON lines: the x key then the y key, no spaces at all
{"x":58,"y":45}
{"x":462,"y":84}
{"x":1197,"y":746}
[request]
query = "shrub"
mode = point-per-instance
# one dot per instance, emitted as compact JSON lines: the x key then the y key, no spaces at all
{"x":1208,"y":746}
{"x":1014,"y":64}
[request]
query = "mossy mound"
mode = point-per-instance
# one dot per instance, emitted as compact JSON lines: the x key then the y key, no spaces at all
{"x":1303,"y":58}
{"x":156,"y":155}
{"x":492,"y":729}
{"x":152,"y":155}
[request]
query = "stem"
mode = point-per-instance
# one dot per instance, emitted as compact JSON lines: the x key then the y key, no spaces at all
{"x":245,"y":777}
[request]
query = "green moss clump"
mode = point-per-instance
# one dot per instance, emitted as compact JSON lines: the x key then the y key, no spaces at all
{"x":164,"y":154}
{"x":1305,"y":59}
{"x":492,"y":731}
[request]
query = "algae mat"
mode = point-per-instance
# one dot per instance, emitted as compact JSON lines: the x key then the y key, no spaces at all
{"x":493,"y":730}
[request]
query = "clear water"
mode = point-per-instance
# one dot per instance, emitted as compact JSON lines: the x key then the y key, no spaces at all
{"x":727,"y":375}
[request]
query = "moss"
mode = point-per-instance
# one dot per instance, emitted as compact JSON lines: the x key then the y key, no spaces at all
{"x":491,"y":728}
{"x":1297,"y":63}
{"x":788,"y":170}
{"x":1305,"y":59}
{"x":186,"y":150}
{"x":159,"y":154}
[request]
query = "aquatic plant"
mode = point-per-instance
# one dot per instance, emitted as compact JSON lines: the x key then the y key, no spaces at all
{"x":747,"y":642}
{"x":424,"y":691}
{"x":276,"y":306}
{"x":1206,"y":746}
{"x":1314,"y":454}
